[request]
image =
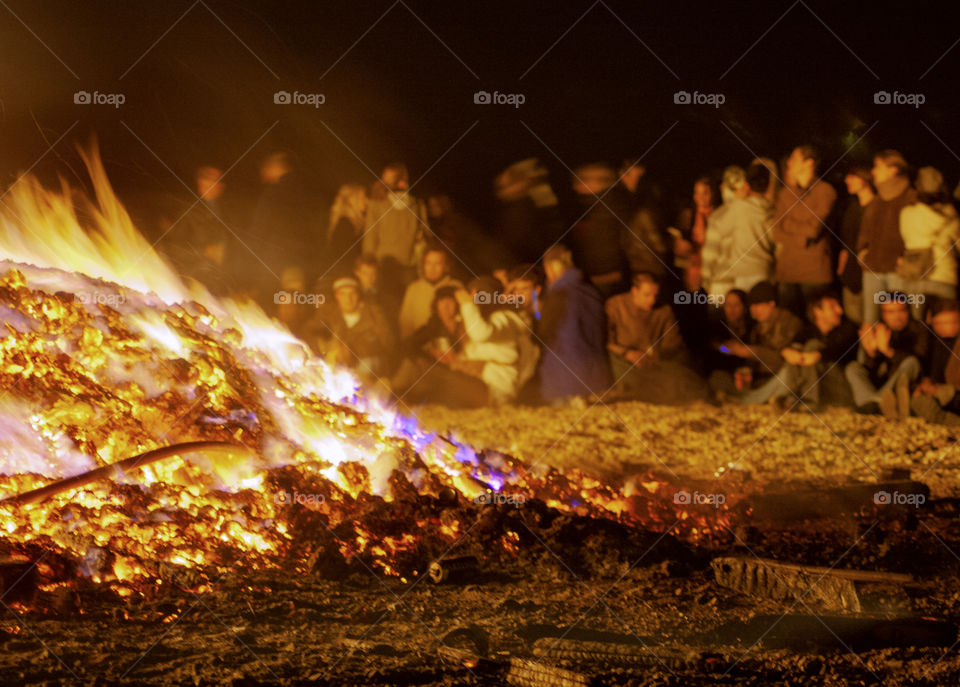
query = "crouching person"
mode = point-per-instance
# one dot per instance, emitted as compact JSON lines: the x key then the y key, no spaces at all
{"x":647,"y":356}
{"x":888,"y":361}
{"x":813,"y":369}
{"x":352,"y":332}
{"x":761,"y":355}
{"x":936,"y":399}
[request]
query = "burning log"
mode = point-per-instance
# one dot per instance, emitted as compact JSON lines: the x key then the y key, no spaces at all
{"x":18,"y":581}
{"x":835,"y":589}
{"x":115,"y":470}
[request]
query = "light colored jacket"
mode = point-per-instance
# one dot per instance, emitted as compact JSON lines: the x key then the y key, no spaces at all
{"x":925,"y":226}
{"x":503,"y":342}
{"x":394,"y":228}
{"x":417,"y":299}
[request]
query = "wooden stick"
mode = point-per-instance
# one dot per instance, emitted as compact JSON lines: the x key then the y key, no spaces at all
{"x":115,"y":470}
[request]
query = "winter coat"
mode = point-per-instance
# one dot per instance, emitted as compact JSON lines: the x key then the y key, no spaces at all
{"x":799,"y":219}
{"x":395,"y":228}
{"x":503,"y":342}
{"x":880,"y":227}
{"x":925,"y":226}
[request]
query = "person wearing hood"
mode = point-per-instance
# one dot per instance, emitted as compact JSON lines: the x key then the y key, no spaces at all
{"x":719,"y":235}
{"x":573,"y":332}
{"x":880,"y":244}
{"x":929,"y":229}
{"x":801,"y":232}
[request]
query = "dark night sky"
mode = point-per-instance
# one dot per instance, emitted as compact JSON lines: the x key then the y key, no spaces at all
{"x":204,"y":91}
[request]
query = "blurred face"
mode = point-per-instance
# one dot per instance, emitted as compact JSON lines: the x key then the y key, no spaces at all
{"x":830,"y":312}
{"x":946,"y":324}
{"x":434,"y":266}
{"x":799,"y":170}
{"x":524,"y":288}
{"x":209,"y":185}
{"x":447,"y":309}
{"x":553,"y":269}
{"x":367,"y":276}
{"x":702,"y":196}
{"x":434,"y":207}
{"x":644,"y":296}
{"x":733,"y":308}
{"x":348,"y":299}
{"x":895,"y":315}
{"x":273,"y":169}
{"x":761,"y":311}
{"x":882,"y":171}
{"x":854,"y":184}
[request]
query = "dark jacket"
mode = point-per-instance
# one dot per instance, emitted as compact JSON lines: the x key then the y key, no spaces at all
{"x":799,"y":218}
{"x":838,"y":346}
{"x":912,"y":340}
{"x":573,"y":330}
{"x":771,"y":336}
{"x":880,"y":227}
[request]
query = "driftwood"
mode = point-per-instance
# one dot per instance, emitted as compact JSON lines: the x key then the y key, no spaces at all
{"x":607,"y":653}
{"x":116,"y":470}
{"x":833,"y":588}
{"x":825,"y":503}
{"x":527,"y":673}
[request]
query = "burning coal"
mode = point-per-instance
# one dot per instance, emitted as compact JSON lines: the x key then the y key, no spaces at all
{"x":105,"y":355}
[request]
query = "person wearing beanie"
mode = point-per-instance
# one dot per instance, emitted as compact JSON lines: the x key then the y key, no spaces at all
{"x":774,"y":329}
{"x":930,"y":230}
{"x":800,"y":230}
{"x":880,"y":244}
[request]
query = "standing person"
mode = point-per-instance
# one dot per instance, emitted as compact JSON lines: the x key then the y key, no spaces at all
{"x":395,"y":227}
{"x":719,"y":235}
{"x":415,"y":309}
{"x":528,"y":217}
{"x":800,"y":231}
{"x":282,"y":233}
{"x":888,"y":360}
{"x":930,"y":230}
{"x":596,"y":238}
{"x":345,"y":228}
{"x":691,"y":229}
{"x":881,"y":243}
{"x":573,"y":331}
{"x":859,"y":186}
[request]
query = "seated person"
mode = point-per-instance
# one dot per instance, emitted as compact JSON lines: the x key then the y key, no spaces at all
{"x":936,"y":399}
{"x":647,"y":355}
{"x":525,"y":282}
{"x":352,"y":332}
{"x":734,"y":321}
{"x":814,"y":361}
{"x":888,"y":360}
{"x":415,"y":309}
{"x":760,"y":355}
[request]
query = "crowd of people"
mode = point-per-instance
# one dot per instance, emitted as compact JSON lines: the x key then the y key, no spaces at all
{"x":767,"y":286}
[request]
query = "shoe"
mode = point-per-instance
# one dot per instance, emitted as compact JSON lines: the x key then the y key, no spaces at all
{"x":888,"y":404}
{"x":902,"y":390}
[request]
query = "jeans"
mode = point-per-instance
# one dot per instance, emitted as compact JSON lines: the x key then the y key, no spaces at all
{"x":926,"y":287}
{"x":865,"y":392}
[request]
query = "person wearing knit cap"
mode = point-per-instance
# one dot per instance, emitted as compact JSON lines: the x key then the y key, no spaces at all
{"x":880,"y":244}
{"x":930,"y":230}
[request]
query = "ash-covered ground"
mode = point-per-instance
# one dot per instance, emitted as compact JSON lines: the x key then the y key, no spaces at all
{"x":573,"y":583}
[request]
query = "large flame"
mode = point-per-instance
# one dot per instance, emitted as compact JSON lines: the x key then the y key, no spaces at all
{"x":107,"y":354}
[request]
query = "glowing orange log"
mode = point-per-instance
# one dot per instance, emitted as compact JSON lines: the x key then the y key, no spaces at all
{"x":115,"y":470}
